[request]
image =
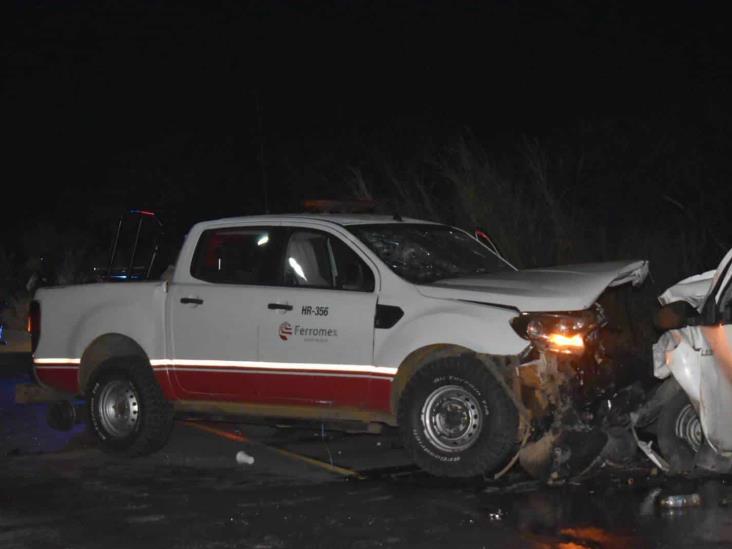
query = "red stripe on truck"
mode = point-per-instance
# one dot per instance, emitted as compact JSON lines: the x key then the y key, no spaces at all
{"x":63,"y":378}
{"x":332,"y":388}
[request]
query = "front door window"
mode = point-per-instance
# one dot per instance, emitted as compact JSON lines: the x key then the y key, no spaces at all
{"x":314,"y":259}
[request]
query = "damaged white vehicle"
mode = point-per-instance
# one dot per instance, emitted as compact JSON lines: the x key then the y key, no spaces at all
{"x":691,"y":411}
{"x":341,"y":318}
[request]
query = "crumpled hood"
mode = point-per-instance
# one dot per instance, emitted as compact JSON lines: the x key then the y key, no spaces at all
{"x":693,"y":290}
{"x":566,"y":288}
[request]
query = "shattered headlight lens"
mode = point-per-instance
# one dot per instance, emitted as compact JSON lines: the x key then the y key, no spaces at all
{"x":557,"y":332}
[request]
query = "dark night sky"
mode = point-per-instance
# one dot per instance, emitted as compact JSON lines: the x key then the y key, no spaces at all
{"x":85,"y":84}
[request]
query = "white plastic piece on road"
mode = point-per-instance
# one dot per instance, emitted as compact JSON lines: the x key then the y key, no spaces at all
{"x":645,"y":447}
{"x":242,"y":458}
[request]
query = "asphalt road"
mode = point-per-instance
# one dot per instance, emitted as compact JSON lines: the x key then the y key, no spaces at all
{"x":309,"y":487}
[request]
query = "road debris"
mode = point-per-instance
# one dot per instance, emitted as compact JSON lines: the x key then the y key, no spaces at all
{"x":223,"y":433}
{"x":242,"y":458}
{"x":679,"y":501}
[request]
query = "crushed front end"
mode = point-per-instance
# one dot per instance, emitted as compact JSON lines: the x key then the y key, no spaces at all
{"x":568,"y":380}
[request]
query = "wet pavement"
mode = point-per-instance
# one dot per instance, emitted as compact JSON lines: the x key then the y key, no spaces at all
{"x":309,"y":487}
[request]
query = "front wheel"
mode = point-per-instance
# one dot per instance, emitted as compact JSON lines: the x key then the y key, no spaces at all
{"x":679,"y":432}
{"x":456,"y":419}
{"x":128,"y":412}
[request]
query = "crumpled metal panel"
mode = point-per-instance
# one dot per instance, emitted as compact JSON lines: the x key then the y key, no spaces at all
{"x":716,"y":389}
{"x":693,"y":290}
{"x":679,"y":352}
{"x":665,"y":345}
{"x":700,"y":357}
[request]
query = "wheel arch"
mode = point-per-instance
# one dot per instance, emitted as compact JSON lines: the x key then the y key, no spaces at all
{"x":419,"y":358}
{"x":104,"y":348}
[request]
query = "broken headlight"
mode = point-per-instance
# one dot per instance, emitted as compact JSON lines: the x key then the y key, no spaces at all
{"x":564,"y":333}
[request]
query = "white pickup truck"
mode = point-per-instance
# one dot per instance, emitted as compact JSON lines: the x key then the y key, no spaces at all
{"x":331,"y":317}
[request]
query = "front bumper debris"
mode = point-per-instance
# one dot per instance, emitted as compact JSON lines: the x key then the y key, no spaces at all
{"x":578,"y":419}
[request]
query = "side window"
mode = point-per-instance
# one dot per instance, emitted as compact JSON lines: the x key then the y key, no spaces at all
{"x":316,"y":259}
{"x":241,"y":255}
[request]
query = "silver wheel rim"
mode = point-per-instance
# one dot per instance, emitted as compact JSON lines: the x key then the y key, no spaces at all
{"x":451,"y":418}
{"x":688,"y":427}
{"x":118,"y":408}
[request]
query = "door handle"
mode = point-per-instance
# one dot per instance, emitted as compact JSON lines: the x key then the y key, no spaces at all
{"x":280,"y":306}
{"x":191,"y":300}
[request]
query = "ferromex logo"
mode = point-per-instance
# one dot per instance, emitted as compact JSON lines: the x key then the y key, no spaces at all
{"x":286,"y":331}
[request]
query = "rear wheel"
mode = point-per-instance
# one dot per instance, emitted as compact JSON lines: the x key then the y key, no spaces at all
{"x":680,"y":434}
{"x":128,"y":412}
{"x":456,"y":419}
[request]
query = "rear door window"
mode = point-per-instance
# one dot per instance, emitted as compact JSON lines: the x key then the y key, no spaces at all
{"x":240,"y":255}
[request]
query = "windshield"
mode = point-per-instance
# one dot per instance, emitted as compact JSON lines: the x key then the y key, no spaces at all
{"x":423,"y":253}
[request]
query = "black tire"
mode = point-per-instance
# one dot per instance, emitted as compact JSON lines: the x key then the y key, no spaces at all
{"x":493,"y":442}
{"x":676,"y":450}
{"x":154,"y":414}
